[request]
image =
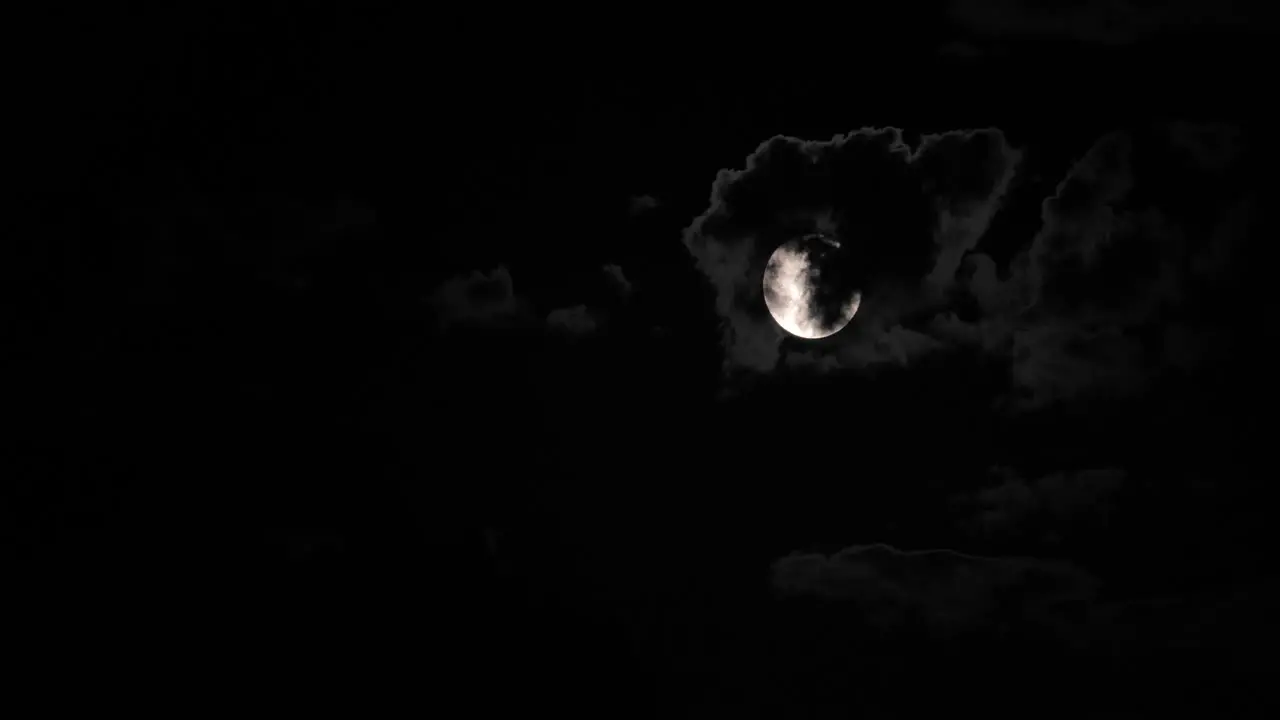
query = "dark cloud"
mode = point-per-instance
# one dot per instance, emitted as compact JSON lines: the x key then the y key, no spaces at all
{"x":640,"y":204}
{"x":1096,"y":279}
{"x":1080,"y":312}
{"x":576,"y":320}
{"x":931,"y":612}
{"x":1055,"y":362}
{"x":300,"y":545}
{"x":1211,"y":146}
{"x":1097,"y":21}
{"x":961,"y":49}
{"x":1047,"y":508}
{"x":619,"y":280}
{"x":907,"y":218}
{"x":492,"y":539}
{"x":1234,"y":621}
{"x":489,"y":300}
{"x":283,"y":234}
{"x":331,"y":216}
{"x":480,"y":299}
{"x":942,"y":591}
{"x":1079,"y":217}
{"x":1210,"y":262}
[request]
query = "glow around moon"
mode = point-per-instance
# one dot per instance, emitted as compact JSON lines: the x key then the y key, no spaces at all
{"x":790,"y":288}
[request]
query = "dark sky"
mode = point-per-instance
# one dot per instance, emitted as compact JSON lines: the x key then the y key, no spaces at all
{"x":429,"y":351}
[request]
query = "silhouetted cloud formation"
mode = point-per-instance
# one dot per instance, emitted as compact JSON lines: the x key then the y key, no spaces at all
{"x":489,"y":300}
{"x":619,"y":280}
{"x":1049,"y":508}
{"x":1094,"y":280}
{"x":1068,"y":319}
{"x":576,"y":320}
{"x":640,"y":204}
{"x":907,"y":215}
{"x":943,"y":591}
{"x":480,"y":299}
{"x":1211,"y":146}
{"x":1022,"y":613}
{"x":961,"y":50}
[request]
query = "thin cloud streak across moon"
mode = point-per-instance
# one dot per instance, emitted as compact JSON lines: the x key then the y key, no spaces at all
{"x":790,"y":289}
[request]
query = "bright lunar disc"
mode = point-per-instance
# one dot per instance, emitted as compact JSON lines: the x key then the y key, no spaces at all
{"x":790,"y":292}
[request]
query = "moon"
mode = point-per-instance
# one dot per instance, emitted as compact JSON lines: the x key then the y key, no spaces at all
{"x":792,"y":283}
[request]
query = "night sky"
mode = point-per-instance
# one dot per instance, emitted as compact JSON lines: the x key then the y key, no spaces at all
{"x":404,"y":358}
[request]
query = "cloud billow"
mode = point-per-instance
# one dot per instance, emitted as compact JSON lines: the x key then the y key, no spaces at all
{"x":480,"y":299}
{"x":904,"y":217}
{"x":1073,"y":316}
{"x":575,"y":320}
{"x":946,"y":591}
{"x":489,"y":300}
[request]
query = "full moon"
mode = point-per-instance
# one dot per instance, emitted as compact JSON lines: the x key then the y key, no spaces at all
{"x":792,"y":284}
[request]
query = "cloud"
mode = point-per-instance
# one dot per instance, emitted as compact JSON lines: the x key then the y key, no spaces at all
{"x":892,"y":346}
{"x":1077,"y":314}
{"x":1098,"y":279}
{"x":884,"y":622}
{"x":1210,"y":262}
{"x":1059,"y":361}
{"x":1046,"y":508}
{"x":576,"y":320}
{"x":300,"y":545}
{"x":1093,"y":281}
{"x":343,"y":214}
{"x":920,"y":612}
{"x":942,"y":591}
{"x":619,"y":280}
{"x":1077,"y":221}
{"x":960,"y":49}
{"x":907,"y":217}
{"x":480,"y":299}
{"x":488,"y":300}
{"x":640,"y":204}
{"x":1234,"y":619}
{"x":1211,"y":146}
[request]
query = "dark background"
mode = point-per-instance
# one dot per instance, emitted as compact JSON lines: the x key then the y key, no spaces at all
{"x":221,"y":478}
